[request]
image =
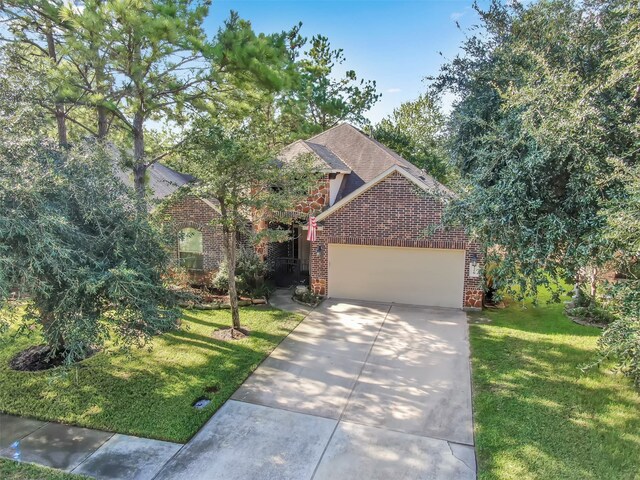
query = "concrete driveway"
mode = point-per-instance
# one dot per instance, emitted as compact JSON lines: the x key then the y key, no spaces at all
{"x":358,"y":390}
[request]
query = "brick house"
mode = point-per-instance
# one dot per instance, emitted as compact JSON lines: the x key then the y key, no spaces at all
{"x":376,"y":239}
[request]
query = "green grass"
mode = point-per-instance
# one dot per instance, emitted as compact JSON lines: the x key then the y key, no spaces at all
{"x":148,"y":393}
{"x":10,"y":470}
{"x":537,"y":415}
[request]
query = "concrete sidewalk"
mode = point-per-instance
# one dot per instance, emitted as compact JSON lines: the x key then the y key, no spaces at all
{"x":98,"y":454}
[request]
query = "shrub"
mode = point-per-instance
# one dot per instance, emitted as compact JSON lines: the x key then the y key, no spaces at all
{"x":250,"y":272}
{"x":306,"y":296}
{"x":592,"y":313}
{"x":621,"y":339}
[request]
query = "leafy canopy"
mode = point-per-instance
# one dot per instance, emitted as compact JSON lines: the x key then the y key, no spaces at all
{"x":534,"y":132}
{"x":73,"y":243}
{"x":416,"y":131}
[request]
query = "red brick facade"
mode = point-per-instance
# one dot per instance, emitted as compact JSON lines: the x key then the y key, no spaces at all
{"x":393,"y":213}
{"x":193,"y":212}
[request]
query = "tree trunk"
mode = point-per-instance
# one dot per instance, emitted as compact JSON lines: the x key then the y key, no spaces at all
{"x":230,"y":251}
{"x":61,"y":118}
{"x":229,"y":245}
{"x":103,"y":123}
{"x":593,"y":282}
{"x":54,"y":337}
{"x":139,"y":166}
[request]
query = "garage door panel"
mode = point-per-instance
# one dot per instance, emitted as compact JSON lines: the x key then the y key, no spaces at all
{"x":419,"y":276}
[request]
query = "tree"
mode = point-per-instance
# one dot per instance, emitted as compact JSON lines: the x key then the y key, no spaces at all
{"x":236,"y":169}
{"x":323,"y":101}
{"x":168,"y":69}
{"x":114,"y":66}
{"x":35,"y":31}
{"x":155,"y":58}
{"x":416,"y":131}
{"x":307,"y":100}
{"x":621,"y":339}
{"x":73,"y":243}
{"x":533,"y":134}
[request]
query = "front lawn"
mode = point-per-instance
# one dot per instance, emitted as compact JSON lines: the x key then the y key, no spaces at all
{"x":10,"y":470}
{"x":149,"y":392}
{"x":537,"y":415}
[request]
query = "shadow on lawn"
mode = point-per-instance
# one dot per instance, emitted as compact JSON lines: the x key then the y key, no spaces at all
{"x":535,"y":408}
{"x":149,"y":393}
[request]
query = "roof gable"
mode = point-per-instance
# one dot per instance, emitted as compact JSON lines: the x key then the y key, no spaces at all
{"x":366,"y":157}
{"x":369,"y":185}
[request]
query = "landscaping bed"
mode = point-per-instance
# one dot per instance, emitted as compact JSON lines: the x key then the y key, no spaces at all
{"x":537,"y":414}
{"x":148,"y":393}
{"x":204,"y":298}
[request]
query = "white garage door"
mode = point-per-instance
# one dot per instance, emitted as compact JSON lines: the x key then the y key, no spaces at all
{"x":418,"y":276}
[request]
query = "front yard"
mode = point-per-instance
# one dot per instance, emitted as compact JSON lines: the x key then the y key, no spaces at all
{"x":148,"y":393}
{"x":537,"y":414}
{"x":10,"y":470}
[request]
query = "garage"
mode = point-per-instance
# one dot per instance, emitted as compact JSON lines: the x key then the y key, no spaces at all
{"x":417,"y":276}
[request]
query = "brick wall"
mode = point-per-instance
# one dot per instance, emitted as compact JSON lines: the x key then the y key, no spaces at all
{"x":393,"y":213}
{"x":192,"y":212}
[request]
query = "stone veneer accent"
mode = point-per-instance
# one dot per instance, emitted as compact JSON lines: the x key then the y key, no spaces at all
{"x":393,"y":213}
{"x":318,"y":198}
{"x":190,"y":211}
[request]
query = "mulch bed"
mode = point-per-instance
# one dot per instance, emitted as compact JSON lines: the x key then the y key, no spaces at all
{"x":587,"y":323}
{"x":200,"y":299}
{"x":307,"y":304}
{"x":37,"y":358}
{"x":230,"y":334}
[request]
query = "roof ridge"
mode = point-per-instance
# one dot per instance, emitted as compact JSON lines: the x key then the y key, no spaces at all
{"x":329,"y":129}
{"x":368,"y":137}
{"x":300,"y":140}
{"x":331,"y":150}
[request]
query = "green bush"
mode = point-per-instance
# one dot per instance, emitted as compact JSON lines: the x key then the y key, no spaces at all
{"x":250,"y":273}
{"x":621,"y":339}
{"x":592,"y":313}
{"x":307,"y":297}
{"x":73,"y":239}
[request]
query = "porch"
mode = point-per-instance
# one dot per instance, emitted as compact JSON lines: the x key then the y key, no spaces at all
{"x":289,"y":261}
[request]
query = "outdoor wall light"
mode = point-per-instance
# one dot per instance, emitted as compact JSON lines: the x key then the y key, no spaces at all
{"x":319,"y":250}
{"x":474,"y":258}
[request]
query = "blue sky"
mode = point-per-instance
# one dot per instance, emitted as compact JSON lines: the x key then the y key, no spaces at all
{"x":395,"y":42}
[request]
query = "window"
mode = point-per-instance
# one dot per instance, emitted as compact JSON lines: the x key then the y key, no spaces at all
{"x":190,"y":249}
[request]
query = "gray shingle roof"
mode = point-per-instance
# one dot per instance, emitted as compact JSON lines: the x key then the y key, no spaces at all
{"x":163,"y":181}
{"x":366,"y":157}
{"x":324,"y":158}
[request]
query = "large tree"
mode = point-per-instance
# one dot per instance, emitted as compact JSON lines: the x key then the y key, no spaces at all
{"x":236,"y":169}
{"x":323,"y":99}
{"x":312,"y":99}
{"x":416,"y":130}
{"x":31,"y":42}
{"x":73,"y":244}
{"x":534,"y":130}
{"x":121,"y":68}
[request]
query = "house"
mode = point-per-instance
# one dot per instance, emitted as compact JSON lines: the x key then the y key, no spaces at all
{"x":377,"y":236}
